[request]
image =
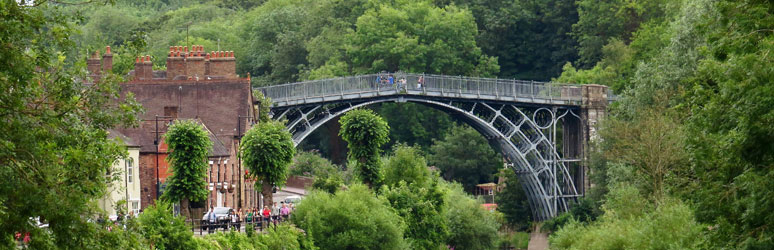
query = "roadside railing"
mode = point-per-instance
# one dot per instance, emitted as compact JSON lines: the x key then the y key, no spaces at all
{"x":202,"y":227}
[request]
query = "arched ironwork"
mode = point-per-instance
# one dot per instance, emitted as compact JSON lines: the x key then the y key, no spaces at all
{"x":537,"y":132}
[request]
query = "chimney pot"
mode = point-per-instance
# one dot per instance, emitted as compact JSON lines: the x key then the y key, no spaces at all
{"x":207,"y":56}
{"x":107,"y":50}
{"x":147,"y":58}
{"x":186,"y":49}
{"x":171,"y":49}
{"x":231,"y":54}
{"x":136,"y":60}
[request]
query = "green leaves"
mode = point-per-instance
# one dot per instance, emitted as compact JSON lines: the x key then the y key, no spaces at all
{"x":267,"y":150}
{"x":351,"y":219}
{"x":189,"y":145}
{"x":465,"y":156}
{"x":365,"y":132}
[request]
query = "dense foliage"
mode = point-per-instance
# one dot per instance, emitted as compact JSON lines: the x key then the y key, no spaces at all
{"x":470,"y":226}
{"x":189,"y":145}
{"x":463,"y":155}
{"x":417,"y":197}
{"x":691,"y":132}
{"x":512,"y":201}
{"x":267,"y":150}
{"x":351,"y":219}
{"x":365,"y":132}
{"x":55,"y":155}
{"x":163,"y":230}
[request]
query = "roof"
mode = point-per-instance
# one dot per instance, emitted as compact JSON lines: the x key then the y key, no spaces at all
{"x":113,"y":134}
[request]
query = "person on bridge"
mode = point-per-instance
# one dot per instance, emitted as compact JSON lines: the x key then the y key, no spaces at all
{"x":391,"y":80}
{"x":420,"y":81}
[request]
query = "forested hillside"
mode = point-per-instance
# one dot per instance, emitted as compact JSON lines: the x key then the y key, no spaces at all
{"x":685,"y":159}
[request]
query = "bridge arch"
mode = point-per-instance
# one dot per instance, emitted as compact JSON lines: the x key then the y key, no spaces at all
{"x":539,"y":128}
{"x":548,"y":183}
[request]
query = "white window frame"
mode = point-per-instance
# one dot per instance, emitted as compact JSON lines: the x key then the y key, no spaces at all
{"x":134,"y":206}
{"x":129,"y":169}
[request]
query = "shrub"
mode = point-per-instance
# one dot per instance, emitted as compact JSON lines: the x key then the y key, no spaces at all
{"x":164,"y":230}
{"x":351,"y":219}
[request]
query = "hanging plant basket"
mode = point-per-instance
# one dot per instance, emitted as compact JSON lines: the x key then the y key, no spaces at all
{"x":223,"y":190}
{"x":231,"y":189}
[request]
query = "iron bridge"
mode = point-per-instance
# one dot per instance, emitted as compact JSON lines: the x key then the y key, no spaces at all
{"x":536,"y":126}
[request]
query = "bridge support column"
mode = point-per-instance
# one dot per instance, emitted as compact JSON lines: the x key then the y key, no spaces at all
{"x":593,"y":110}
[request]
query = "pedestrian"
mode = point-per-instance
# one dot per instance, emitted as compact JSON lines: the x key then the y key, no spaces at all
{"x":213,"y":219}
{"x":275,"y":213}
{"x":391,"y":80}
{"x":266,"y":216}
{"x":249,"y":218}
{"x":420,"y":81}
{"x":239,"y":217}
{"x":285,"y":212}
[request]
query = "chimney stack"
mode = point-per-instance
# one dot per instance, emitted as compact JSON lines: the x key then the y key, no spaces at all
{"x":107,"y":60}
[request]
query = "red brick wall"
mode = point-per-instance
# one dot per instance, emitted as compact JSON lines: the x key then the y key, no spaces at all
{"x":147,"y":179}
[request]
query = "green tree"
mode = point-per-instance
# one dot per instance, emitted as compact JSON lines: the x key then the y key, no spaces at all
{"x":470,"y":226}
{"x":189,"y":145}
{"x":416,"y":36}
{"x":55,"y":151}
{"x":599,"y":21}
{"x":465,"y":156}
{"x":407,"y":165}
{"x":413,"y":123}
{"x":530,"y":39}
{"x":630,"y":223}
{"x":267,"y":150}
{"x":351,"y":219}
{"x":163,"y":230}
{"x":417,"y":197}
{"x":365,"y":132}
{"x":311,"y":164}
{"x":512,"y":202}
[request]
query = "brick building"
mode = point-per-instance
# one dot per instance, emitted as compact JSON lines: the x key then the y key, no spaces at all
{"x":196,"y":85}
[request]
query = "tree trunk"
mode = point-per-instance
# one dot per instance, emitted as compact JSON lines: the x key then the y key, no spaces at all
{"x":184,"y":208}
{"x":267,"y":195}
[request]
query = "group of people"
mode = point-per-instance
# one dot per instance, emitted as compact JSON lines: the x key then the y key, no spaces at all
{"x":254,"y":217}
{"x":274,"y":215}
{"x":401,"y":83}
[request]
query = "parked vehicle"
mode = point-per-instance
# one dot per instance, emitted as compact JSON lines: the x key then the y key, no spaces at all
{"x":221,"y":215}
{"x":295,"y":199}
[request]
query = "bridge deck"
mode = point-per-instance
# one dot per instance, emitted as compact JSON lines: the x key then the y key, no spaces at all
{"x":375,"y":85}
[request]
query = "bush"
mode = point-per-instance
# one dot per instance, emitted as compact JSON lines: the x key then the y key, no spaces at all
{"x":627,"y":224}
{"x":351,"y":219}
{"x":164,"y":230}
{"x":470,"y":225}
{"x":282,"y":237}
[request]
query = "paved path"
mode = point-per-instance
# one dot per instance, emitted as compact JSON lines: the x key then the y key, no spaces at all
{"x":537,"y":240}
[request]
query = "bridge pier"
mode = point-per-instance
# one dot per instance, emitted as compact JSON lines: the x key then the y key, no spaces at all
{"x":593,"y":110}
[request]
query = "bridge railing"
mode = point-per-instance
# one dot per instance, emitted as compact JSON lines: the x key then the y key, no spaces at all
{"x":437,"y":85}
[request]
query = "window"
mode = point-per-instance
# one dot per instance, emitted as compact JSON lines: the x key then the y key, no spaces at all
{"x":130,"y":169}
{"x":170,"y":112}
{"x":136,"y":207}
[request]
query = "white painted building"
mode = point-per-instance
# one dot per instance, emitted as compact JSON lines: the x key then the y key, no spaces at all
{"x":126,"y":186}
